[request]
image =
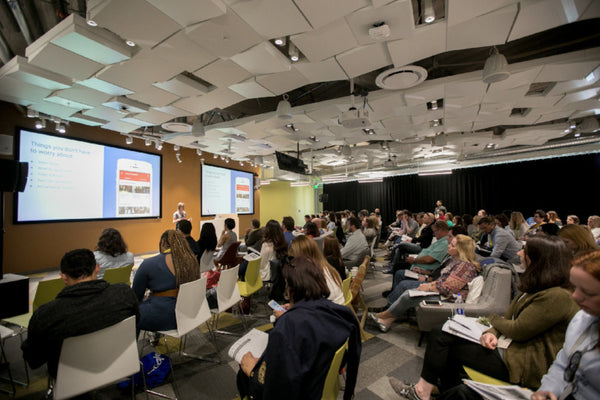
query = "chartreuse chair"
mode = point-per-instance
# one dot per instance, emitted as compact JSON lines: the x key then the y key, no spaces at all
{"x":483,"y":378}
{"x":252,"y":282}
{"x":118,"y":275}
{"x":346,"y":291}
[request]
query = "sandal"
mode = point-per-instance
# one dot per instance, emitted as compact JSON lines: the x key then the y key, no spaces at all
{"x":406,"y":390}
{"x":382,"y":327}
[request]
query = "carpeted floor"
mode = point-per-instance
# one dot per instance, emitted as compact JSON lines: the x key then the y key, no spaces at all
{"x":394,"y":353}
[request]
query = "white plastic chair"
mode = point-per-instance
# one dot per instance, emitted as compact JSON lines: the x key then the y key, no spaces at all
{"x":228,"y":296}
{"x":96,"y":359}
{"x":206,"y":261}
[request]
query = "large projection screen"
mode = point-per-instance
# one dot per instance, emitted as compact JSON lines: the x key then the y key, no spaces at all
{"x":227,"y":191}
{"x":76,"y":180}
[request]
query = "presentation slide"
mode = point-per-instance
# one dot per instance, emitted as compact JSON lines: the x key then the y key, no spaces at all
{"x":71,"y":179}
{"x":227,"y":191}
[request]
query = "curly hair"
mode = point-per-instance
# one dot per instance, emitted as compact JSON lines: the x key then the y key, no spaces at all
{"x":184,"y":261}
{"x":274,"y":234}
{"x":111,"y":242}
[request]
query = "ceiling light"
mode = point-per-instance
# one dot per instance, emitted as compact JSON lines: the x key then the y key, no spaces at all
{"x":284,"y":108}
{"x":241,"y":163}
{"x":567,"y":130}
{"x":199,"y":152}
{"x":40,"y":123}
{"x":438,"y":172}
{"x":147,"y":142}
{"x":158,"y":145}
{"x":435,"y":122}
{"x":314,"y":138}
{"x":434,"y":105}
{"x":293,"y":52}
{"x":215,"y":156}
{"x":176,"y":148}
{"x":369,"y":131}
{"x":577,"y":134}
{"x":495,"y":66}
{"x":428,"y":13}
{"x":265,"y":182}
{"x":291,"y":127}
{"x":222,"y":158}
{"x":490,"y":146}
{"x":129,"y":140}
{"x":130,"y":43}
{"x":299,"y":183}
{"x":198,"y":128}
{"x":370,"y":180}
{"x":91,"y":22}
{"x":280,"y":41}
{"x":60,"y":128}
{"x":178,"y":157}
{"x":31,"y":113}
{"x":572,"y":125}
{"x":227,"y":160}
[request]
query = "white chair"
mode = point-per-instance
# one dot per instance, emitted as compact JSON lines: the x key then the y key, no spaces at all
{"x":228,"y":296}
{"x":206,"y":261}
{"x":96,"y":359}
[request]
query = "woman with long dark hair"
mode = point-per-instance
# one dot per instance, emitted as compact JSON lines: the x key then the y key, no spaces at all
{"x":207,"y":244}
{"x":273,"y":247}
{"x":333,"y":255}
{"x":111,"y":251}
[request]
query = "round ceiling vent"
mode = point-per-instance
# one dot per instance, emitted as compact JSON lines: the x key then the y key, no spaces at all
{"x":401,"y":78}
{"x":177,"y":126}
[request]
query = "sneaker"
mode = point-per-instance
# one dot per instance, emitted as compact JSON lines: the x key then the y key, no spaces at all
{"x":406,"y":390}
{"x":388,"y":271}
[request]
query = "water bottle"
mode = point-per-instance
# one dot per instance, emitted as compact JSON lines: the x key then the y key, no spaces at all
{"x":459,"y":308}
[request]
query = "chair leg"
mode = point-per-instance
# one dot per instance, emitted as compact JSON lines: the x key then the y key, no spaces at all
{"x":421,"y":336}
{"x":4,"y":360}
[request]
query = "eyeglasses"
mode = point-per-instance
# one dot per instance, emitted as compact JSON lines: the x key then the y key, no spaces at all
{"x":571,"y":369}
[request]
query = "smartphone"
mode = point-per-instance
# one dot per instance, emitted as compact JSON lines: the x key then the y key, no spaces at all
{"x":432,"y":303}
{"x":276,"y":306}
{"x":134,"y":188}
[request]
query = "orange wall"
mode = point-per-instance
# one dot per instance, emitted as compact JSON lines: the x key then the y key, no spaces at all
{"x":34,"y":247}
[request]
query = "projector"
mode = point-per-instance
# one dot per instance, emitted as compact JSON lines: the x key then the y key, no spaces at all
{"x":380,"y":31}
{"x":354,"y":118}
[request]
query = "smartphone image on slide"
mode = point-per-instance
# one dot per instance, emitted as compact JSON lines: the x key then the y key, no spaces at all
{"x":276,"y":306}
{"x":134,"y":188}
{"x":242,"y":195}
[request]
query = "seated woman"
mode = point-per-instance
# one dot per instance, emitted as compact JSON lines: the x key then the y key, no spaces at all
{"x":535,"y":321}
{"x":518,"y":225}
{"x":578,"y":239}
{"x":303,"y":246}
{"x":162,"y":274}
{"x":371,"y":228}
{"x":111,"y":251}
{"x":333,"y":255}
{"x":312,"y":230}
{"x":457,"y":272}
{"x":273,"y":247}
{"x":581,"y":342}
{"x":303,"y":341}
{"x":207,"y":244}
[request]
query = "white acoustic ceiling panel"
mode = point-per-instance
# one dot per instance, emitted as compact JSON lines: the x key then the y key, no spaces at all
{"x":19,"y":69}
{"x":83,"y":94}
{"x":15,"y":89}
{"x":121,"y":126}
{"x":218,"y":98}
{"x":105,"y":87}
{"x":135,"y":20}
{"x":154,"y":96}
{"x":174,"y":111}
{"x":486,"y":30}
{"x":251,"y":89}
{"x":271,"y":18}
{"x":460,"y":11}
{"x":540,"y":15}
{"x":182,"y":51}
{"x":397,"y":15}
{"x":325,"y":42}
{"x":427,"y":41}
{"x":126,"y":105}
{"x":475,"y":88}
{"x":324,"y":71}
{"x":282,"y":82}
{"x":224,"y":36}
{"x":364,"y":59}
{"x":58,"y":98}
{"x":54,"y":109}
{"x":86,"y":120}
{"x":61,"y":61}
{"x":151,"y":117}
{"x":183,"y":86}
{"x":423,"y":95}
{"x":323,"y":12}
{"x":566,"y":71}
{"x":106,"y":113}
{"x":222,"y":73}
{"x":384,"y":107}
{"x":138,"y":73}
{"x":189,"y":12}
{"x":263,"y":58}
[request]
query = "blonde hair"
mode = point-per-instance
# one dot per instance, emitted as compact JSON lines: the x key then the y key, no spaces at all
{"x":466,"y":250}
{"x":582,"y":237}
{"x":594,"y":221}
{"x":304,"y":246}
{"x":184,"y":261}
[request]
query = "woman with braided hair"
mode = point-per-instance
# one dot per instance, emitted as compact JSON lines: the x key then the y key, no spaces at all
{"x":162,"y":275}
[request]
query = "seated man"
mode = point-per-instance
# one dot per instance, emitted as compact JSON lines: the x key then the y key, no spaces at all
{"x":288,"y":229}
{"x":85,"y":305}
{"x":504,"y":245}
{"x":228,"y":237}
{"x":415,"y":245}
{"x":254,"y":236}
{"x":185,"y":227}
{"x":426,"y":261}
{"x":356,"y":244}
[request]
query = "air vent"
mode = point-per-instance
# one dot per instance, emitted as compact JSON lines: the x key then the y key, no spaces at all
{"x":540,"y":88}
{"x":519,"y":112}
{"x":401,"y":78}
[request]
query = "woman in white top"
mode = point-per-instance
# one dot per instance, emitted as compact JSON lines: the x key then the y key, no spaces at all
{"x":111,"y":251}
{"x":273,"y":247}
{"x":307,"y":247}
{"x":518,"y":225}
{"x":594,"y":224}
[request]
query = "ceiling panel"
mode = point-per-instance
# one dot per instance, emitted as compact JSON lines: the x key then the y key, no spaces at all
{"x":153,"y":117}
{"x":154,"y":96}
{"x":182,"y":51}
{"x":460,"y":11}
{"x":282,"y":82}
{"x":121,"y":126}
{"x":263,"y":58}
{"x":54,"y":109}
{"x":427,"y":41}
{"x":566,"y":71}
{"x":251,"y":89}
{"x":174,"y":111}
{"x":364,"y":59}
{"x":186,"y":13}
{"x":384,"y":107}
{"x":56,"y":59}
{"x":84,"y":94}
{"x":419,"y":95}
{"x":222,"y":73}
{"x":14,"y":88}
{"x":322,"y":12}
{"x":19,"y":69}
{"x":183,"y":86}
{"x":325,"y":42}
{"x":106,"y":113}
{"x":106,"y":87}
{"x":397,"y":15}
{"x":469,"y":89}
{"x":218,"y":98}
{"x":324,"y":71}
{"x":271,"y":18}
{"x":540,"y":15}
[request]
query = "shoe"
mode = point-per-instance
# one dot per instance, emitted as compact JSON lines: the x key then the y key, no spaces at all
{"x":389,"y":271}
{"x":382,"y":327}
{"x":385,"y":293}
{"x":406,"y":390}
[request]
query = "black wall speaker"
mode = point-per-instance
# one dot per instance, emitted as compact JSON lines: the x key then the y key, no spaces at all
{"x":323,"y":197}
{"x":13,"y":175}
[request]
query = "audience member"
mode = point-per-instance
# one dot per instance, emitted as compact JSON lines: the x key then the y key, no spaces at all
{"x":331,"y":251}
{"x":180,"y":214}
{"x":273,"y":247}
{"x":594,"y":225}
{"x":111,"y":251}
{"x":331,"y":222}
{"x":504,"y":245}
{"x":185,"y":227}
{"x":553,"y":218}
{"x":572,"y":219}
{"x":162,"y":274}
{"x":468,"y":223}
{"x":449,"y":218}
{"x":413,"y":246}
{"x":306,"y":221}
{"x":536,"y":322}
{"x":312,"y":230}
{"x":441,"y":215}
{"x":518,"y":225}
{"x":459,"y":269}
{"x":458,"y":220}
{"x":207,"y":244}
{"x":287,"y":225}
{"x":339,"y":229}
{"x":303,"y":341}
{"x":254,"y":235}
{"x":85,"y":305}
{"x":455,"y":231}
{"x":539,"y":219}
{"x":578,"y":239}
{"x":502,"y":221}
{"x":439,"y":207}
{"x":482,"y":213}
{"x":371,"y":229}
{"x":303,"y":246}
{"x":356,"y":244}
{"x":228,"y":237}
{"x":548,"y":229}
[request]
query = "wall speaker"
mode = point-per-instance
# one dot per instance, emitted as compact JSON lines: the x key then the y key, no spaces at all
{"x":14,"y":175}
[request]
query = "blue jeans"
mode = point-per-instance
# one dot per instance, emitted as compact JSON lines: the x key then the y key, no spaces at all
{"x":402,"y":249}
{"x":400,"y":285}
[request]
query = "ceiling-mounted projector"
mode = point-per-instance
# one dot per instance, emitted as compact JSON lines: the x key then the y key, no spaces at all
{"x":354,"y":118}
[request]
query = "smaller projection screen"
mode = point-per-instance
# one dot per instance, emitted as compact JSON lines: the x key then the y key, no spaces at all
{"x":227,"y":191}
{"x":72,"y":179}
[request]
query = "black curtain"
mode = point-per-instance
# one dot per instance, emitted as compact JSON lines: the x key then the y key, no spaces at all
{"x":566,"y":185}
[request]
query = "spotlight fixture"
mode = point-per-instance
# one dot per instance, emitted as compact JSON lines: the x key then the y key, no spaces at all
{"x":147,"y":142}
{"x":495,"y":66}
{"x":158,"y":145}
{"x":280,"y":41}
{"x":435,"y":122}
{"x":60,"y":128}
{"x":227,"y":160}
{"x":577,"y":134}
{"x":369,"y":131}
{"x":428,"y":13}
{"x":178,"y":157}
{"x":313,"y":138}
{"x":284,"y":108}
{"x":199,"y":152}
{"x":129,"y":140}
{"x":91,"y":22}
{"x":31,"y":113}
{"x":291,"y":127}
{"x":293,"y":52}
{"x":434,"y":105}
{"x":130,"y":43}
{"x":215,"y":156}
{"x":40,"y":124}
{"x":241,"y":163}
{"x":572,"y":125}
{"x":176,"y":148}
{"x":222,"y":158}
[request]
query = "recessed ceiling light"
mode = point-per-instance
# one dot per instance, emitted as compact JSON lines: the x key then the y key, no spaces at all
{"x":280,"y":41}
{"x":130,"y":43}
{"x":91,"y":22}
{"x":434,"y":105}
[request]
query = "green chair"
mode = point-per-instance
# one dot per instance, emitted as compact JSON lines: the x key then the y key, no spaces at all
{"x":331,"y":389}
{"x":252,"y":281}
{"x":483,"y":378}
{"x":118,"y":275}
{"x":346,"y":290}
{"x":46,"y":292}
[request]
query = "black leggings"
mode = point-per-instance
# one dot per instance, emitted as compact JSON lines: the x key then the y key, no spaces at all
{"x":446,"y":354}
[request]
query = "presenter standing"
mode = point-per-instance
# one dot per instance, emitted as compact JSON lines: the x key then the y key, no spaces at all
{"x":180,"y":214}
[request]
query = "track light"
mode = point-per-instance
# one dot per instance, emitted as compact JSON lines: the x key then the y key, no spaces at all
{"x":199,"y":152}
{"x":40,"y":124}
{"x":241,"y":163}
{"x":495,"y":66}
{"x":31,"y":113}
{"x":147,"y":142}
{"x":227,"y":160}
{"x":284,"y":108}
{"x":215,"y":156}
{"x":428,"y":13}
{"x":158,"y":145}
{"x":293,"y":52}
{"x":434,"y":105}
{"x":178,"y":157}
{"x":60,"y":128}
{"x":129,"y":140}
{"x":175,"y":148}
